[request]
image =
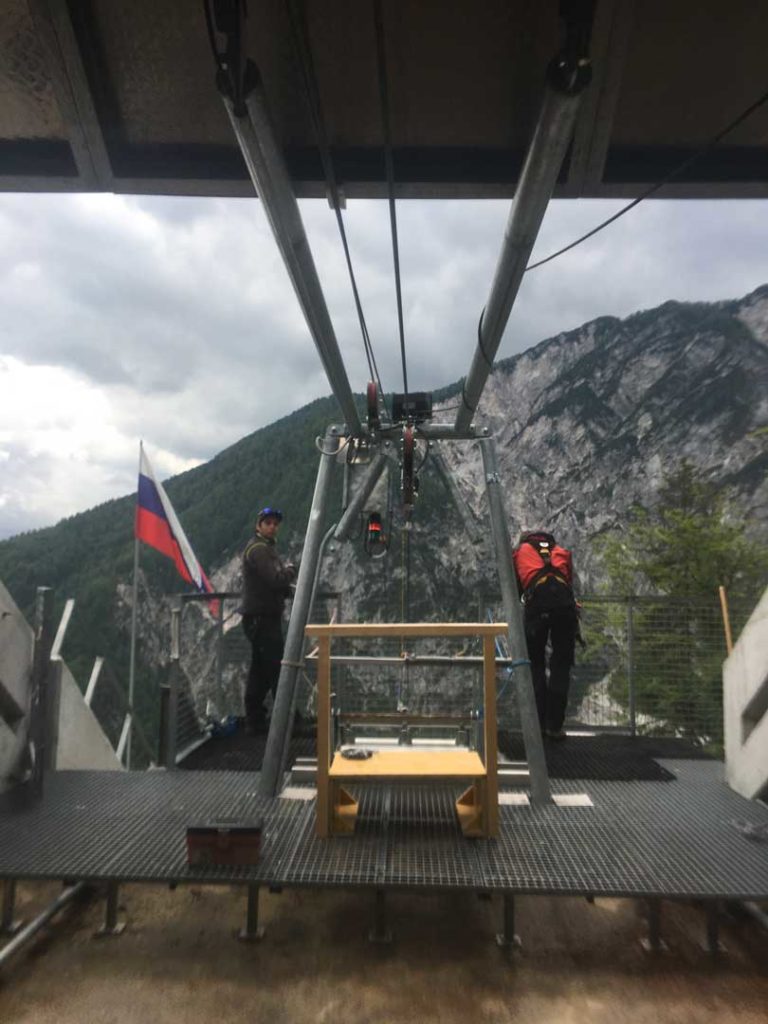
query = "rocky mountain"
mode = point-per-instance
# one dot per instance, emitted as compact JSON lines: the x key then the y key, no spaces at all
{"x":586,"y":424}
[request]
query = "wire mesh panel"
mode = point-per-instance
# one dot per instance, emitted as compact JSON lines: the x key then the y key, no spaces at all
{"x":647,"y":664}
{"x":653,"y":665}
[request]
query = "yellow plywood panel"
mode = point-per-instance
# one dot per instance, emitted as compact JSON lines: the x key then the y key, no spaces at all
{"x":398,"y":629}
{"x":403,"y":764}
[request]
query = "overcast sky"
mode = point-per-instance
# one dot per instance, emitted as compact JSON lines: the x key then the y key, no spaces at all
{"x":172,"y":319}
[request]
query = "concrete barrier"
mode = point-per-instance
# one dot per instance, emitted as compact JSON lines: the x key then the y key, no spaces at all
{"x":745,"y":705}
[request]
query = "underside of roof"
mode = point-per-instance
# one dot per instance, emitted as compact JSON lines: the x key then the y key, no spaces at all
{"x":103,"y":96}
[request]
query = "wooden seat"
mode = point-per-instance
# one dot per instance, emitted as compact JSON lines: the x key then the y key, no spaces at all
{"x":476,"y":808}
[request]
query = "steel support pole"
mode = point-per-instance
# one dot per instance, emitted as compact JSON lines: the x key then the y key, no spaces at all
{"x":30,"y":930}
{"x":507,"y":938}
{"x":9,"y":924}
{"x":529,"y":719}
{"x":381,"y":932}
{"x":172,"y":719}
{"x":363,"y":493}
{"x":713,"y":945}
{"x":41,"y":671}
{"x":269,"y":174}
{"x":552,"y":135}
{"x":631,"y":697}
{"x":654,"y":942}
{"x":112,"y":925}
{"x":281,"y":723}
{"x":252,"y":932}
{"x":471,"y":525}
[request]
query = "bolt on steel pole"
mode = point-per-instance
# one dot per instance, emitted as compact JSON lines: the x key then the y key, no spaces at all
{"x":529,"y":720}
{"x":281,"y":723}
{"x":266,"y":166}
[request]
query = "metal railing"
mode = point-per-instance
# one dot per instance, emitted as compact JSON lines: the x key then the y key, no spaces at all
{"x":651,"y":665}
{"x":108,"y":699}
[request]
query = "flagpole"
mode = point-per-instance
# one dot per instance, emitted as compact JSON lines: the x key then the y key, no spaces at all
{"x":134,"y":609}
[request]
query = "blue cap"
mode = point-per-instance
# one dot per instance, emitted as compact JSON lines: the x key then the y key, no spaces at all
{"x":267,"y":512}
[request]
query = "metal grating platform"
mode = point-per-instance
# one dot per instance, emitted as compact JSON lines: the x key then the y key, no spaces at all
{"x":680,"y":839}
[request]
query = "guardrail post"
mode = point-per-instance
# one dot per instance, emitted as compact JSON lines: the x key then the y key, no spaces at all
{"x":631,"y":667}
{"x":40,"y":678}
{"x":172,"y":696}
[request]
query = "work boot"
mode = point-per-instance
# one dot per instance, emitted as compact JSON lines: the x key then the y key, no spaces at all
{"x":257,"y":726}
{"x":558,"y":735}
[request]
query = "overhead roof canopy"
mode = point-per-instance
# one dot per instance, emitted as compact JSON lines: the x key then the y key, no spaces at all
{"x":98,"y":95}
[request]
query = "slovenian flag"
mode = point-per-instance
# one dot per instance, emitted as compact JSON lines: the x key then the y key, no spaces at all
{"x":158,"y":526}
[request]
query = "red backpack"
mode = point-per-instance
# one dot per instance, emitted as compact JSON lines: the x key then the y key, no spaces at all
{"x":544,"y":572}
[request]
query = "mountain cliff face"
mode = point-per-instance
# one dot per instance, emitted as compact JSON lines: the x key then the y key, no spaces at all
{"x":586,"y":424}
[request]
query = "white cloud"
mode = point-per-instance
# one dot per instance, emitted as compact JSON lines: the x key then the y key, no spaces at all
{"x":173,"y":319}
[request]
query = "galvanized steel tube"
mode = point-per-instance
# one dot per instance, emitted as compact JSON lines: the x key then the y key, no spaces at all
{"x":281,"y":724}
{"x":534,"y":746}
{"x":266,"y":166}
{"x":537,"y":182}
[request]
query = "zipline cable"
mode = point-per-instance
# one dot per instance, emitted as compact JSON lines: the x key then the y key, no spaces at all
{"x":655,"y":188}
{"x":381,"y":60}
{"x":303,"y":50}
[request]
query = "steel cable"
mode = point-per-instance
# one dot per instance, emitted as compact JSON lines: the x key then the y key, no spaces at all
{"x":381,"y":60}
{"x":306,"y":65}
{"x":688,"y":162}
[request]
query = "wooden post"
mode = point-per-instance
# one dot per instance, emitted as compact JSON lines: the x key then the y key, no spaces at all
{"x":726,"y":620}
{"x":324,"y":809}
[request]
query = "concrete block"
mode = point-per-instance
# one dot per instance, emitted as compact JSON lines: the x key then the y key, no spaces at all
{"x":745,"y":706}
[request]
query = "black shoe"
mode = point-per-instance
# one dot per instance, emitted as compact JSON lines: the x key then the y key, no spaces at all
{"x":257,"y":727}
{"x":558,"y":735}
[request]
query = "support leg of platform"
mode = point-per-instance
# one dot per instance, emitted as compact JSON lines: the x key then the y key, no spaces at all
{"x":252,"y":932}
{"x":507,"y":939}
{"x":112,"y":925}
{"x":9,"y":925}
{"x":654,"y":942}
{"x":380,"y":932}
{"x":712,"y":943}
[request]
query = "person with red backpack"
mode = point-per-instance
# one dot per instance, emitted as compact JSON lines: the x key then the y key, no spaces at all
{"x":545,"y":578}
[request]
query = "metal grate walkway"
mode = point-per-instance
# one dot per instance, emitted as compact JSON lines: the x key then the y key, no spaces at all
{"x":692,"y":837}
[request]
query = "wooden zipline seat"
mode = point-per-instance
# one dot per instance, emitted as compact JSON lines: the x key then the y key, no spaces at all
{"x":477,"y":807}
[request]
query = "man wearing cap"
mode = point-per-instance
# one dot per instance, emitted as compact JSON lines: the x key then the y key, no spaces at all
{"x":266,"y":583}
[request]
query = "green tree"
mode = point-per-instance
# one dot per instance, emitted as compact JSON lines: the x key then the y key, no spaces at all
{"x":673,"y":558}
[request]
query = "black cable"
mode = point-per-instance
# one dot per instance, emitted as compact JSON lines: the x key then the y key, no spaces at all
{"x":312,"y":93}
{"x":655,"y":188}
{"x":484,"y":354}
{"x":381,"y":60}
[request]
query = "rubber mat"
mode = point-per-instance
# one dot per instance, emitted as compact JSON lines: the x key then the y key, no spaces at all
{"x":609,"y":758}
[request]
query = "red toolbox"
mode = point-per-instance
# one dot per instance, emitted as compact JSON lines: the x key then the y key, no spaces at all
{"x":224,"y":841}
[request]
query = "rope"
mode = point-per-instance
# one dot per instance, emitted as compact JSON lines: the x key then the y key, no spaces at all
{"x":381,"y":60}
{"x":312,"y":94}
{"x":655,"y":188}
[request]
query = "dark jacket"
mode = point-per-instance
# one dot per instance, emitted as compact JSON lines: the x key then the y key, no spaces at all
{"x":266,"y":578}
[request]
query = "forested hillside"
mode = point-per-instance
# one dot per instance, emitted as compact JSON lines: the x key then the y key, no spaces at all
{"x":587,"y":425}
